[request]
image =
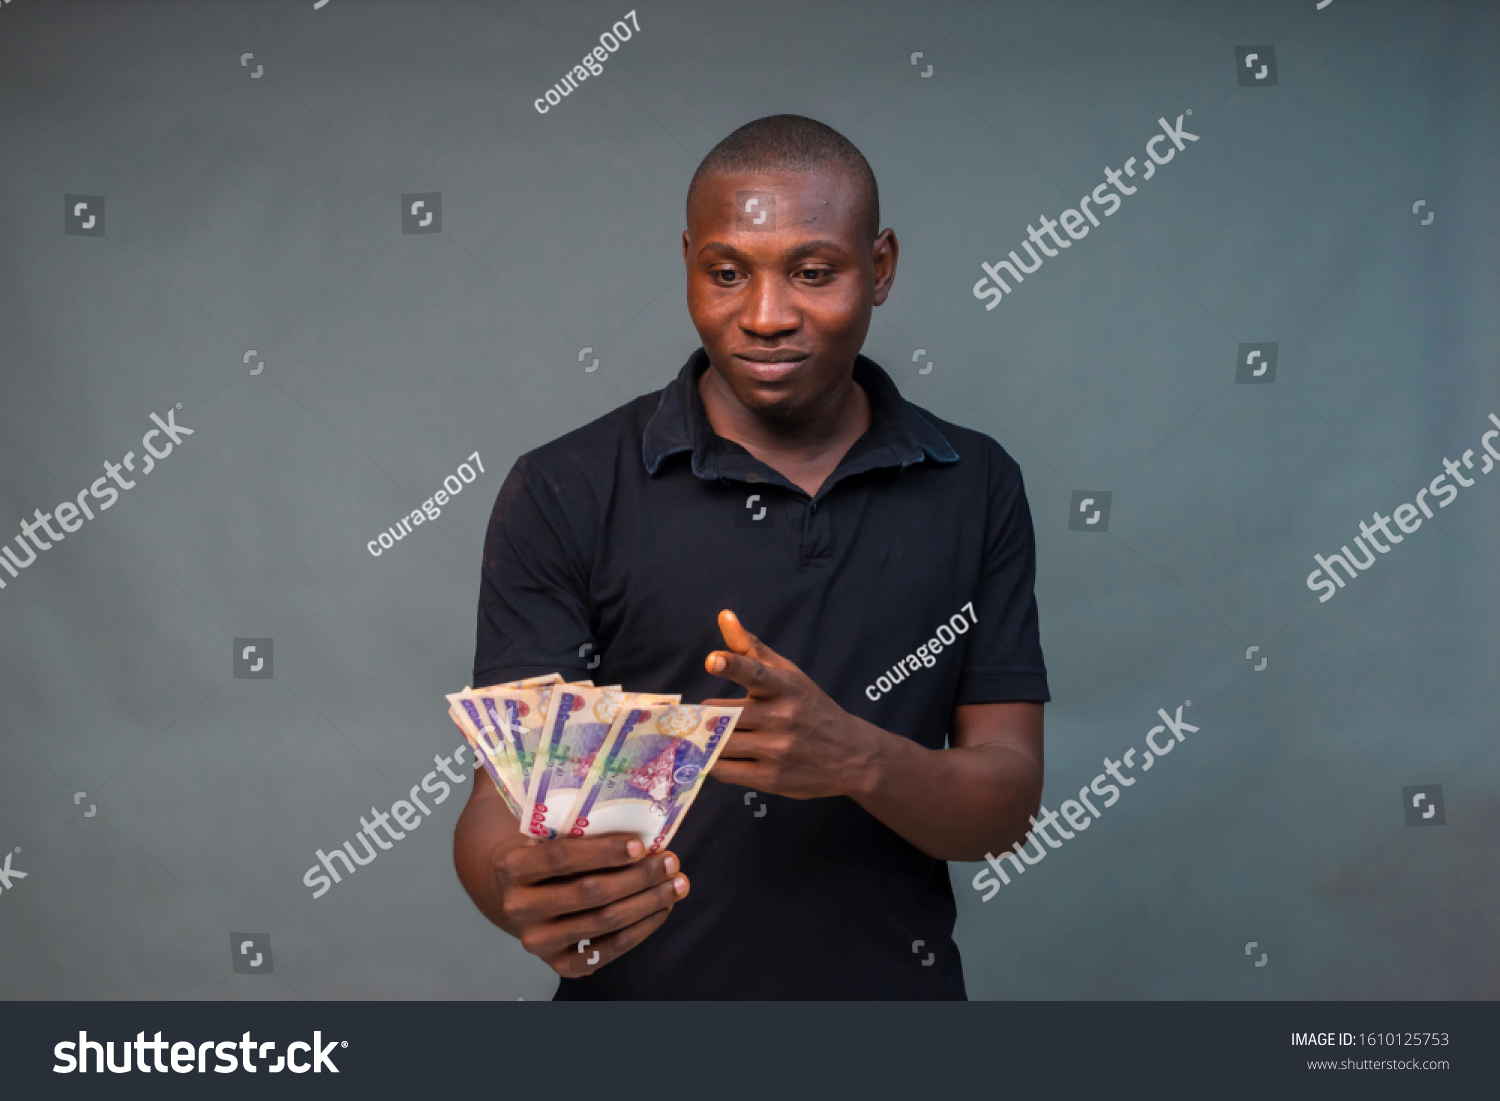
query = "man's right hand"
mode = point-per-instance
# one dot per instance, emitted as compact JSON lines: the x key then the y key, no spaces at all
{"x":553,"y":895}
{"x":598,"y":889}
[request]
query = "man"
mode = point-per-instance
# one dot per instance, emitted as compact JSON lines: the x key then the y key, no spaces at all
{"x":780,"y":483}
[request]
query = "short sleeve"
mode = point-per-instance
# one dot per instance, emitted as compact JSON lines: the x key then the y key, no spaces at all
{"x":533,"y":607}
{"x":1003,"y":662}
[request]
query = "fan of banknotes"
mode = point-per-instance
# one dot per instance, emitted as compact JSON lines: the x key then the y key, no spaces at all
{"x":574,"y":760}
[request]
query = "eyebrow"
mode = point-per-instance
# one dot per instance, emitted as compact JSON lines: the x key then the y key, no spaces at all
{"x":804,"y":249}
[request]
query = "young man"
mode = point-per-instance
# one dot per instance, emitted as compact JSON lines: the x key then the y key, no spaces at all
{"x":780,"y":483}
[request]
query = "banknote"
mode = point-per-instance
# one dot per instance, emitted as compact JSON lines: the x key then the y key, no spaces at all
{"x":489,"y":748}
{"x":649,"y":771}
{"x":490,"y":729}
{"x":519,"y":716}
{"x":571,"y":759}
{"x":576,"y":727}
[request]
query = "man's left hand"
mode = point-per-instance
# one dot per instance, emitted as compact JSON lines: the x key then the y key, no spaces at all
{"x":791,"y":738}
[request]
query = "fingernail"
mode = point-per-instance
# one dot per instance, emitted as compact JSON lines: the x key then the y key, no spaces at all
{"x":670,"y":864}
{"x":680,"y":885}
{"x":635,"y":848}
{"x":715,"y":664}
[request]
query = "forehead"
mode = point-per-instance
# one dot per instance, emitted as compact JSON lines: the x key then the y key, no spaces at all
{"x":775,"y":202}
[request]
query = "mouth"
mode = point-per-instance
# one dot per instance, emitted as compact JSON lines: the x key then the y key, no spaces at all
{"x":771,"y":366}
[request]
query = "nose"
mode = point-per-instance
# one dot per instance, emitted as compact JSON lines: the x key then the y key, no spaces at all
{"x":768,"y":310}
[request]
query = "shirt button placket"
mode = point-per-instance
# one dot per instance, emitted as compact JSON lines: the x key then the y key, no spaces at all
{"x":817,"y":531}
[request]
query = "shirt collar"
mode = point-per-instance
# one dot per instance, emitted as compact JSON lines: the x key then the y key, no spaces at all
{"x":898,"y":435}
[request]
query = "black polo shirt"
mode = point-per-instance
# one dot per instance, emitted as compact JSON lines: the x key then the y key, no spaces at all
{"x":610,"y":553}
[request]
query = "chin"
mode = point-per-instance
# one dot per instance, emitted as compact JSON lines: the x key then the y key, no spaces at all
{"x":777,"y":404}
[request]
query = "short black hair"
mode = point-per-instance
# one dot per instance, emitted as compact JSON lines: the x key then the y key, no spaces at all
{"x":792,"y":143}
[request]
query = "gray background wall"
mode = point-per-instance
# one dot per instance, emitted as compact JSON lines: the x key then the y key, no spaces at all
{"x":263,"y":212}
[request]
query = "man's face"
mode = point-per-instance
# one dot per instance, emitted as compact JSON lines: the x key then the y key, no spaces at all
{"x":780,"y":283}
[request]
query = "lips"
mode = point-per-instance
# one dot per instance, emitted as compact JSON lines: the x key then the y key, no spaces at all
{"x":772,"y":371}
